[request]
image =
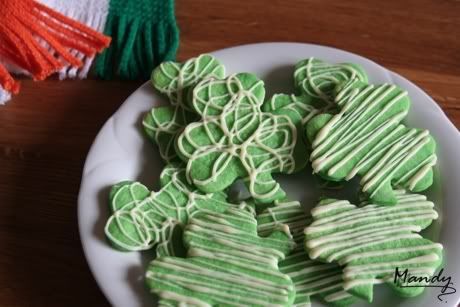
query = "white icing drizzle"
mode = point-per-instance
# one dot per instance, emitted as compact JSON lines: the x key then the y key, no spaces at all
{"x":315,"y":80}
{"x":363,"y":121}
{"x":236,"y":129}
{"x":247,"y":206}
{"x":167,"y":244}
{"x":371,"y":241}
{"x":298,"y":105}
{"x":310,"y":277}
{"x":318,"y":79}
{"x":412,"y":177}
{"x":139,"y":223}
{"x":187,"y":74}
{"x":227,"y":264}
{"x":183,"y":298}
{"x":164,"y":131}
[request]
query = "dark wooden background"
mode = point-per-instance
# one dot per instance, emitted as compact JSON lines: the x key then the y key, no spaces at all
{"x":46,"y":131}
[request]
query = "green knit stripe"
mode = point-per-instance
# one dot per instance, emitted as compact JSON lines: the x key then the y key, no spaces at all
{"x":144,"y":34}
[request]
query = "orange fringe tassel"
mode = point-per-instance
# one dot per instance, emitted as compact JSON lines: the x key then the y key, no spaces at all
{"x":40,"y":40}
{"x":7,"y":82}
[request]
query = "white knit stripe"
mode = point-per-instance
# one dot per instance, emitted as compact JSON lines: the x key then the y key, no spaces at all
{"x":4,"y":96}
{"x":92,"y":13}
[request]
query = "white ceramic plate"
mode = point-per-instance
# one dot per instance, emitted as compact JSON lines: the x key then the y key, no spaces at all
{"x":120,"y":152}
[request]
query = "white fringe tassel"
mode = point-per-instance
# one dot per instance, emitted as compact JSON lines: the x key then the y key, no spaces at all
{"x":92,"y":13}
{"x":4,"y":96}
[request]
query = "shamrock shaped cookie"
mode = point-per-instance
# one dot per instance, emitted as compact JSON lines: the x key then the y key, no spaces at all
{"x":366,"y":138}
{"x":300,"y":110}
{"x":227,"y":264}
{"x":315,"y":80}
{"x":175,"y":80}
{"x":142,"y":219}
{"x":372,"y":241}
{"x":311,"y":278}
{"x":235,"y":139}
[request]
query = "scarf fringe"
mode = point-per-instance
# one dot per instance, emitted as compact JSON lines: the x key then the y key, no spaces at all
{"x":138,"y":47}
{"x":7,"y":82}
{"x":43,"y":41}
{"x":5,"y":96}
{"x":92,"y":13}
{"x":7,"y":85}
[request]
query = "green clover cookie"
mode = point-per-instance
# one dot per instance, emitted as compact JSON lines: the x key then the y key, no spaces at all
{"x":175,"y":80}
{"x":300,"y":110}
{"x":311,"y":278}
{"x":173,"y":245}
{"x":227,"y":264}
{"x":372,"y":241}
{"x":315,"y":81}
{"x":366,"y":138}
{"x":141,"y":219}
{"x":235,"y":139}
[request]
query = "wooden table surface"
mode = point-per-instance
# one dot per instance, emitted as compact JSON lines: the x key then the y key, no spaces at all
{"x":46,"y":131}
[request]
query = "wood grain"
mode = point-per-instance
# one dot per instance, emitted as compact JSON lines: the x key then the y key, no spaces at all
{"x":46,"y":131}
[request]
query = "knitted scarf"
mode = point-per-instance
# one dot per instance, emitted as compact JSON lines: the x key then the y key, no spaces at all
{"x":42,"y":37}
{"x":144,"y":33}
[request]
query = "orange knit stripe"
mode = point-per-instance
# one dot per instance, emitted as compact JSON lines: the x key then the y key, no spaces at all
{"x":26,"y":23}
